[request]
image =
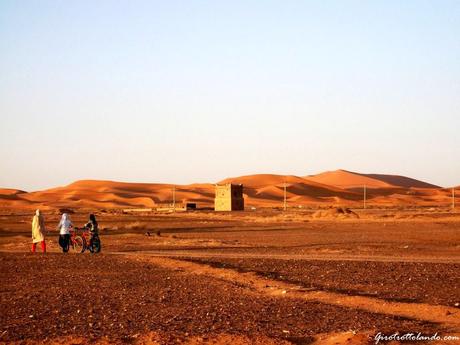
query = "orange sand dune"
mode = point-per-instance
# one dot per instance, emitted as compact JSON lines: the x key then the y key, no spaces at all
{"x":12,"y":197}
{"x":348,"y":179}
{"x":111,"y":194}
{"x":260,"y":180}
{"x":401,"y":181}
{"x":261,"y":190}
{"x":9,"y":192}
{"x":269,"y":188}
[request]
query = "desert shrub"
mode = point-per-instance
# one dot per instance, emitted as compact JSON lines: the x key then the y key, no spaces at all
{"x":136,"y":226}
{"x":335,"y":212}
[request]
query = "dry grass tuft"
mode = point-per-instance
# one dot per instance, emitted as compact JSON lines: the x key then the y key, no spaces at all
{"x":136,"y":226}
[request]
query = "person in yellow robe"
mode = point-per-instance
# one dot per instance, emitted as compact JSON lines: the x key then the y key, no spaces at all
{"x":38,"y":230}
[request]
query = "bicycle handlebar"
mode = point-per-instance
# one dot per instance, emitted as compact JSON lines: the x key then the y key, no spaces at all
{"x":83,"y":228}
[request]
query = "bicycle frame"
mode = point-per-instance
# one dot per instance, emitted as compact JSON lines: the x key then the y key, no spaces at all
{"x":84,"y":240}
{"x":73,"y":242}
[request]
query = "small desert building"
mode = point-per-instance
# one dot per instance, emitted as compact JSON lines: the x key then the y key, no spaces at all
{"x":184,"y":206}
{"x":229,"y":197}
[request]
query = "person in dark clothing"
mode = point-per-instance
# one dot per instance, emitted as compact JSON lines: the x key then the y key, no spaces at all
{"x":93,"y":228}
{"x":92,"y":225}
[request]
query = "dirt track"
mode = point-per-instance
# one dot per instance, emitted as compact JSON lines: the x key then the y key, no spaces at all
{"x":432,"y":283}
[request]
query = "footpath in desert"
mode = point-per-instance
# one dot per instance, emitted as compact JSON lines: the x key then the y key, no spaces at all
{"x":331,"y":268}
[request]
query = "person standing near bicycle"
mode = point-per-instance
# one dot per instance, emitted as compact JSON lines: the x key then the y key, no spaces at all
{"x":64,"y":232}
{"x":38,"y":230}
{"x":93,"y":228}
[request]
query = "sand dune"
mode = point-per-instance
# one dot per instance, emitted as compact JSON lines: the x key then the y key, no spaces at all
{"x":111,"y":194}
{"x":9,"y":191}
{"x":12,"y":197}
{"x":339,"y":187}
{"x":265,"y":189}
{"x":261,"y":180}
{"x":401,"y":181}
{"x":348,"y":179}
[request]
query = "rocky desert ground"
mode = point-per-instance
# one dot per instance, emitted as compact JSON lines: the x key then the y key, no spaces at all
{"x":257,"y":277}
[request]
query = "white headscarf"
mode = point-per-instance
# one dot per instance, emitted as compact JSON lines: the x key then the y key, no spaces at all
{"x":65,"y":224}
{"x":37,"y":212}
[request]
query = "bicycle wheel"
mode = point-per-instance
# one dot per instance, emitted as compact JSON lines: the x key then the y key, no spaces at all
{"x":95,"y":245}
{"x":84,"y":245}
{"x":78,"y":244}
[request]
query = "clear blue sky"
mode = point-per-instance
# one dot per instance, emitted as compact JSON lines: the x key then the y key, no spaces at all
{"x":193,"y":91}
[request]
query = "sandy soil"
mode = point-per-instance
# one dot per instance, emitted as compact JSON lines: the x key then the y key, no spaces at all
{"x":240,"y":278}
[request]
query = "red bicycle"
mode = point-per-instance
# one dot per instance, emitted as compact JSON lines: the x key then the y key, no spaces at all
{"x":85,"y":241}
{"x":77,"y":243}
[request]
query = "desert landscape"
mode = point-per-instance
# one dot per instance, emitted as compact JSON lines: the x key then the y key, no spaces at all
{"x":229,"y":172}
{"x":323,"y":271}
{"x":340,"y":187}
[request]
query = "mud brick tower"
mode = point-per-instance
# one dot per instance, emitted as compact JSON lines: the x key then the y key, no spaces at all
{"x":229,"y":197}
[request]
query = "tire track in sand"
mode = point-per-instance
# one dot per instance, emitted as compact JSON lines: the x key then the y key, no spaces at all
{"x":202,"y":253}
{"x":445,"y":315}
